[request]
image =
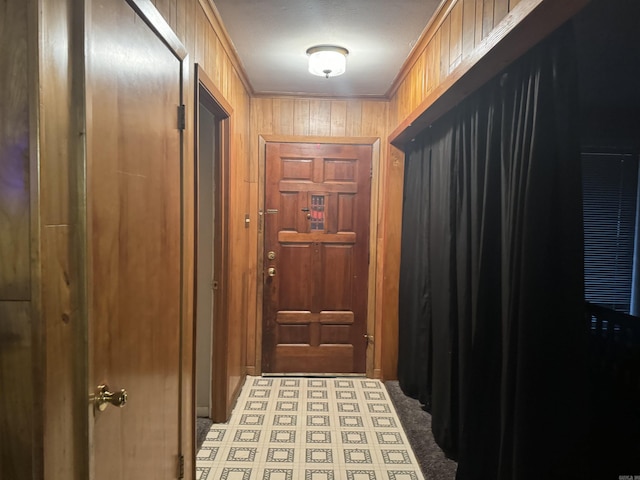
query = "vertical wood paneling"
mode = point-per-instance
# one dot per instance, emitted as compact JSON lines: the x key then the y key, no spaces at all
{"x":283,"y":115}
{"x":60,"y":64}
{"x":60,"y":319}
{"x":19,"y":417}
{"x":374,"y":117}
{"x":338,"y":122}
{"x":468,"y":27}
{"x":319,"y":117}
{"x":64,"y":353}
{"x":445,"y":59}
{"x":181,"y":19}
{"x":266,"y":115}
{"x":167,"y":9}
{"x":354,"y":118}
{"x":55,"y":135}
{"x":199,"y":48}
{"x":479,"y":20}
{"x":16,"y":408}
{"x":432,"y":60}
{"x":213,"y":51}
{"x":419,"y":85}
{"x":301,"y":111}
{"x":14,"y":155}
{"x":458,"y":29}
{"x":389,"y":286}
{"x":487,"y":17}
{"x":455,"y":46}
{"x":500,"y":9}
{"x":210,"y":57}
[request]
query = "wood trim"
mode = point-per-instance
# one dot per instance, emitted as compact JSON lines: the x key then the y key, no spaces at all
{"x":373,"y":356}
{"x":318,"y":139}
{"x":373,"y":319}
{"x":38,"y":325}
{"x":202,"y":79}
{"x":295,"y":237}
{"x":318,"y":96}
{"x":187,"y":288}
{"x":390,"y":258}
{"x":219,"y":387}
{"x":150,"y":14}
{"x":262,"y":146}
{"x":437,"y":19}
{"x":528,"y":23}
{"x":213,"y":15}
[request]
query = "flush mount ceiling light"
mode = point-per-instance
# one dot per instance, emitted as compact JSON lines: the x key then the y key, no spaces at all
{"x":327,"y":60}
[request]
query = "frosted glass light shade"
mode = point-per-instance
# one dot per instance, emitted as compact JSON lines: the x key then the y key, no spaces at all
{"x":327,"y":61}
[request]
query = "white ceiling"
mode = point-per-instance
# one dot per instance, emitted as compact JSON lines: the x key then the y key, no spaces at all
{"x":272,"y":37}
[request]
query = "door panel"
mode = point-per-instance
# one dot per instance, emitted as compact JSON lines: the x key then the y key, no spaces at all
{"x":317,"y":229}
{"x":134,"y":231}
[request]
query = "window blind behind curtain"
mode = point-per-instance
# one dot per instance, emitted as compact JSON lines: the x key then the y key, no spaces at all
{"x":610,"y":192}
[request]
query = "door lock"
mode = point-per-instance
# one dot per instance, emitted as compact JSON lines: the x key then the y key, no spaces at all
{"x":369,"y":338}
{"x":104,"y":398}
{"x":271,"y":255}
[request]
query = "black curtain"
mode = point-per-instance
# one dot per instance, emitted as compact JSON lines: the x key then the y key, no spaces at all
{"x":491,"y":279}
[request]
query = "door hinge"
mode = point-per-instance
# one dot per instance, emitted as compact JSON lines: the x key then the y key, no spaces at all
{"x":371,"y":172}
{"x":182,"y":120}
{"x":180,"y":467}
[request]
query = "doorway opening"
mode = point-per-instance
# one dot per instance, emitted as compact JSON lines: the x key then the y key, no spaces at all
{"x":212,"y":134}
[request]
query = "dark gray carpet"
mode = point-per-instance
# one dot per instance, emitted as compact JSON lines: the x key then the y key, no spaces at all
{"x":417,"y":425}
{"x":202,"y":428}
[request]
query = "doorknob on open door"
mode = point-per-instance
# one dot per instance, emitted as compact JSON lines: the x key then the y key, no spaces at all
{"x":271,"y":271}
{"x":104,"y":397}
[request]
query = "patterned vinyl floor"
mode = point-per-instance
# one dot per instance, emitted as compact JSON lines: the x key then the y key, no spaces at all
{"x":285,"y":428}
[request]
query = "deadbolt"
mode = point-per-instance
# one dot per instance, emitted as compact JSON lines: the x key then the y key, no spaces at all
{"x":271,"y":271}
{"x":271,"y":255}
{"x":104,"y":397}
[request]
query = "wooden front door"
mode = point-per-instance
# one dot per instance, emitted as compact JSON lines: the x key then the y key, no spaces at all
{"x":133,"y":240}
{"x":316,"y":253}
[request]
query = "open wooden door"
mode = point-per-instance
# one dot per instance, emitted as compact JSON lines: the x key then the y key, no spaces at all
{"x":316,"y":258}
{"x":134,"y":230}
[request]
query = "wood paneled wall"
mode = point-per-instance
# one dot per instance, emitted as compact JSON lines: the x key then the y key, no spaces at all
{"x":465,"y":44}
{"x":455,"y":31}
{"x":197,"y":25}
{"x":43,"y":330}
{"x":63,"y":331}
{"x":319,"y":117}
{"x":17,"y":346}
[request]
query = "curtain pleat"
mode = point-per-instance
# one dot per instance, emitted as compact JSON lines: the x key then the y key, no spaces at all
{"x":491,"y":280}
{"x":414,"y":366}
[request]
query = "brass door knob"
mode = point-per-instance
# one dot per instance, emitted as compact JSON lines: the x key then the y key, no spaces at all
{"x":104,"y":398}
{"x":271,"y":271}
